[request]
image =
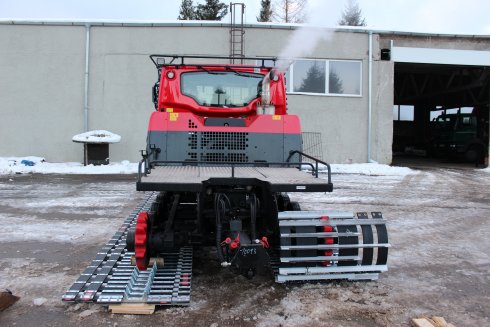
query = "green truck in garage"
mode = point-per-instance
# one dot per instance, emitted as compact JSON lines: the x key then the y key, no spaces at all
{"x":460,"y":135}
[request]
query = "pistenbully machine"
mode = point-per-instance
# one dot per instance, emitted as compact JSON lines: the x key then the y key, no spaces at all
{"x":222,"y":153}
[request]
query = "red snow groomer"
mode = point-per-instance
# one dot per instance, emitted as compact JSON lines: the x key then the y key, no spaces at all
{"x":222,"y":153}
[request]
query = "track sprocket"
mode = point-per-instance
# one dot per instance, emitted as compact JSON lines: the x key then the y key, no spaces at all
{"x":140,"y":241}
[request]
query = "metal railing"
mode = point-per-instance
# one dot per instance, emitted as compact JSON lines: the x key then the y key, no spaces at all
{"x":317,"y":161}
{"x":145,"y":166}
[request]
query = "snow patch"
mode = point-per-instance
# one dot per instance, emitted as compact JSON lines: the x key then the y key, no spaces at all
{"x":98,"y":136}
{"x":39,"y":301}
{"x":87,"y":313}
{"x":12,"y":165}
{"x":43,"y":230}
{"x":34,"y":282}
{"x":371,"y":169}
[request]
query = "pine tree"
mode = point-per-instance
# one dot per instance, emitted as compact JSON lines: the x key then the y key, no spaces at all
{"x":211,"y":10}
{"x":187,"y":10}
{"x":335,"y":83}
{"x":265,"y":11}
{"x":314,"y":82}
{"x":289,"y":11}
{"x":352,"y":15}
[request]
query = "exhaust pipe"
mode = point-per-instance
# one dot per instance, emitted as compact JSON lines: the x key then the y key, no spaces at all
{"x":266,"y":107}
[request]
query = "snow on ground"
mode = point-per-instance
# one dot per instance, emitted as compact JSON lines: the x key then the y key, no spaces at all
{"x":28,"y":228}
{"x":438,"y":262}
{"x":14,"y":165}
{"x":372,"y":169}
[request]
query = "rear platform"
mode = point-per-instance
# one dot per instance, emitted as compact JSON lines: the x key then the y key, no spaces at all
{"x":192,"y":178}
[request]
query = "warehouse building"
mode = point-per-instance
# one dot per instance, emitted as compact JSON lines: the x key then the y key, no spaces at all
{"x":374,"y":94}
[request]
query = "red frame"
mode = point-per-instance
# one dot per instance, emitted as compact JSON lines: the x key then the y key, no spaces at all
{"x":267,"y":124}
{"x":171,"y":99}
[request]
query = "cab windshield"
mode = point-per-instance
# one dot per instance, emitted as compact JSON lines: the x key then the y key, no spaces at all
{"x":221,"y":89}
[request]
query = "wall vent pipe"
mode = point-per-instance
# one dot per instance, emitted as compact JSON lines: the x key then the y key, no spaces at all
{"x":87,"y":66}
{"x":370,"y":95}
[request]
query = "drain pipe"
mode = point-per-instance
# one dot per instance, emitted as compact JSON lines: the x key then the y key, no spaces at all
{"x":87,"y":66}
{"x":370,"y":96}
{"x":485,"y":163}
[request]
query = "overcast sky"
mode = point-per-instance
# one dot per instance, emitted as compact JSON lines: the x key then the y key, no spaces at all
{"x":432,"y":16}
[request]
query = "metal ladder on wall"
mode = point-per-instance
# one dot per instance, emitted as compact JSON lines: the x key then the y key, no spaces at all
{"x":237,"y":33}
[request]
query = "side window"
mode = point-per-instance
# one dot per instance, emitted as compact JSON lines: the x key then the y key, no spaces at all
{"x":344,"y":77}
{"x":401,"y":112}
{"x":325,"y":77}
{"x":309,"y":76}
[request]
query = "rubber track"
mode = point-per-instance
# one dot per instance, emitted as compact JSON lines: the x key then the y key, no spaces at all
{"x":111,"y":279}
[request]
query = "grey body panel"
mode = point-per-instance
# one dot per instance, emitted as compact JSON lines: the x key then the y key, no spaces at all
{"x":223,"y":146}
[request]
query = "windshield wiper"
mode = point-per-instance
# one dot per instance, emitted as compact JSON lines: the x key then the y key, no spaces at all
{"x":208,"y":71}
{"x":220,"y":105}
{"x":236,"y":72}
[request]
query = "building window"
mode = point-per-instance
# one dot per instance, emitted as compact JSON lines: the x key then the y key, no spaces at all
{"x":440,"y":110}
{"x":401,"y":112}
{"x":344,"y":77}
{"x":325,"y":77}
{"x":309,"y":76}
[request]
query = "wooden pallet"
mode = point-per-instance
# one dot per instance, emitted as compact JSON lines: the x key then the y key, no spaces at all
{"x":430,"y":322}
{"x":132,"y":308}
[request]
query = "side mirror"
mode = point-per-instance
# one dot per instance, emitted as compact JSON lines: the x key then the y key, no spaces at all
{"x":155,"y":91}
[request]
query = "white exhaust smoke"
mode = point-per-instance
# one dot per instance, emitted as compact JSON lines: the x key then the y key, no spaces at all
{"x":305,"y":39}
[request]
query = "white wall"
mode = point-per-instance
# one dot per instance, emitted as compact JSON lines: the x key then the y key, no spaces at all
{"x":42,"y":88}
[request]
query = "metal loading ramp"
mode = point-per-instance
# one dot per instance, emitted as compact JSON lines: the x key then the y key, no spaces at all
{"x":323,"y":245}
{"x":111,"y":278}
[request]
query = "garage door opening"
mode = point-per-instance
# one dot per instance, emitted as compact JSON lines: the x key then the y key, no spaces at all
{"x":441,"y":114}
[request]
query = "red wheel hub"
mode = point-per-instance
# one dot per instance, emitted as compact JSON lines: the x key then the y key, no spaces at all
{"x":140,"y":240}
{"x":327,"y":240}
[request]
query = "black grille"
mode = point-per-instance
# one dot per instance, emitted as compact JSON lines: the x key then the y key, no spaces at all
{"x":222,"y":157}
{"x":193,"y":141}
{"x":224,"y":140}
{"x":192,"y":156}
{"x":217,"y":146}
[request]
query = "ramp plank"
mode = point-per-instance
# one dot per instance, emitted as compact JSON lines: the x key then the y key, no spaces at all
{"x":430,"y":322}
{"x":132,"y":308}
{"x":421,"y":322}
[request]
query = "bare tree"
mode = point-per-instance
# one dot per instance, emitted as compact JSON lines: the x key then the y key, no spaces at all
{"x":265,"y":11}
{"x":289,"y":11}
{"x":352,"y":15}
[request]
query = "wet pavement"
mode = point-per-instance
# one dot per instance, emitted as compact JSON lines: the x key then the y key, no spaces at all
{"x":439,"y":261}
